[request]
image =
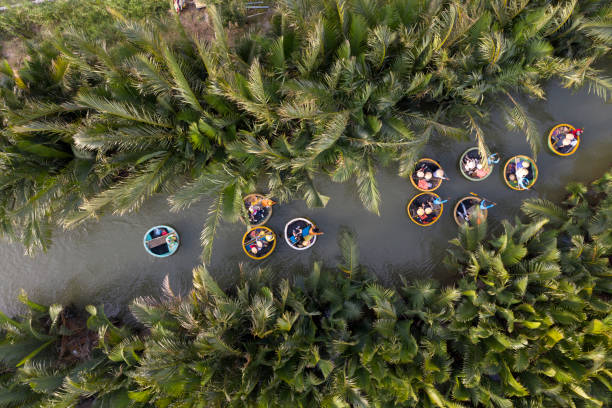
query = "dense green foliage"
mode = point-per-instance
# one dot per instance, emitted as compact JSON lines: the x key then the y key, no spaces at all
{"x":91,"y":16}
{"x":335,"y":87}
{"x":528,"y":325}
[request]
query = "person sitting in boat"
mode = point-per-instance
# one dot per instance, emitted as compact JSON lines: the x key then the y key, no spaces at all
{"x":566,"y":144}
{"x":440,"y":174}
{"x":480,"y":172}
{"x":296,"y":236}
{"x":308,"y":235}
{"x":420,"y":214}
{"x":464,"y":214}
{"x":521,"y":178}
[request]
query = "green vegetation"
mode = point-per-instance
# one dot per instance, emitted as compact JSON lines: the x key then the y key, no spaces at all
{"x":528,"y":325}
{"x":90,"y":16}
{"x":336,"y":87}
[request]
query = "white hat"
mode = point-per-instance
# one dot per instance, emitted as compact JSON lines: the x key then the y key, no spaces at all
{"x":428,"y":175}
{"x":439,"y":173}
{"x":420,"y":174}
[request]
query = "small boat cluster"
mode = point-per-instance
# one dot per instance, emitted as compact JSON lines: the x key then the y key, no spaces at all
{"x":260,"y":241}
{"x":424,"y":209}
{"x":520,"y":173}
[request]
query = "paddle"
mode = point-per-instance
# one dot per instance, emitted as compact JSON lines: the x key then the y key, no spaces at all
{"x":493,"y":203}
{"x":484,"y":198}
{"x":250,"y":242}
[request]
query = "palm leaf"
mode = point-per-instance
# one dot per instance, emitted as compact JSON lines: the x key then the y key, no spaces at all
{"x":211,"y":225}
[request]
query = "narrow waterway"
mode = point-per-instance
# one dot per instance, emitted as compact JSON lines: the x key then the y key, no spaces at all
{"x":106,"y":263}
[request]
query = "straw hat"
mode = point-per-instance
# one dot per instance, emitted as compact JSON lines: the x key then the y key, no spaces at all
{"x":566,"y":142}
{"x":525,"y":164}
{"x":420,"y":174}
{"x":420,"y":212}
{"x":428,"y":175}
{"x":439,"y":173}
{"x":428,"y":210}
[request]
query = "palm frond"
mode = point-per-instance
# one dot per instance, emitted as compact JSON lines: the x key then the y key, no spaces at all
{"x":213,"y":220}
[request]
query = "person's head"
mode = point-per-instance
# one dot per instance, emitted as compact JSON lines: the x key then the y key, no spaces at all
{"x":428,"y":210}
{"x":570,"y":136}
{"x":254,"y":249}
{"x":428,"y":175}
{"x":420,"y":212}
{"x":566,"y":142}
{"x":469,"y":165}
{"x":525,"y":164}
{"x":420,"y":174}
{"x":479,"y":166}
{"x":579,"y":132}
{"x":511,"y":177}
{"x":439,"y":173}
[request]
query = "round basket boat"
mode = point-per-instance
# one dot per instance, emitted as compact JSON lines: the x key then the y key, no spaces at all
{"x":556,"y":135}
{"x":296,"y":232}
{"x":161,"y":241}
{"x":421,"y":183}
{"x":424,"y":201}
{"x":474,"y":174}
{"x":258,"y":213}
{"x":468,"y":209}
{"x":523,"y":163}
{"x":259,"y":242}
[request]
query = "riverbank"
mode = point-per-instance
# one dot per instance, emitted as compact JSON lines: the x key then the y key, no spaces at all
{"x":105,"y":261}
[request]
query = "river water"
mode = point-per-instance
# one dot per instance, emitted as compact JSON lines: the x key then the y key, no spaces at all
{"x":106,"y":262}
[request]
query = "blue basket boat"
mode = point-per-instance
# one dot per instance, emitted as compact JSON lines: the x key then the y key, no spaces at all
{"x":161,"y":241}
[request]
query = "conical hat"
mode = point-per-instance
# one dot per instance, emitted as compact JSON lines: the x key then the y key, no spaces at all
{"x":428,"y":210}
{"x":420,"y":211}
{"x":428,"y":175}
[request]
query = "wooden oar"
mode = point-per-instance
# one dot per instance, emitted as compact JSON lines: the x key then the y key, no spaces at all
{"x":484,"y":198}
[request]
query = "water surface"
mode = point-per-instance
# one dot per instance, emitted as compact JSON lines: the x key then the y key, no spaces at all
{"x":106,"y":262}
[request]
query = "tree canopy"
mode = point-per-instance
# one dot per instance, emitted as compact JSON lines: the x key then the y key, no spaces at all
{"x":527,"y":325}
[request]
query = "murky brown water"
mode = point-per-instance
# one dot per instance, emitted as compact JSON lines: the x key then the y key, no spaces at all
{"x":107,"y":262}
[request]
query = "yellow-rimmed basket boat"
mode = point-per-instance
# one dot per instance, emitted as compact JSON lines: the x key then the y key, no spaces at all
{"x":420,"y":200}
{"x":262,"y":238}
{"x":520,"y":162}
{"x":262,"y":213}
{"x":553,"y":139}
{"x":469,"y":207}
{"x":426,"y":165}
